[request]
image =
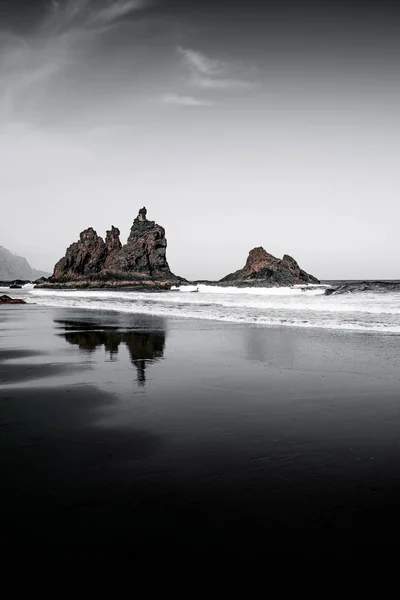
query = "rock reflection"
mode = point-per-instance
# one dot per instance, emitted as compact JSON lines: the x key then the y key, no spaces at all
{"x":144,"y":347}
{"x":272,"y":346}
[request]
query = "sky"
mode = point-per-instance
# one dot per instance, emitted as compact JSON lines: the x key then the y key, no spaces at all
{"x":236,"y":123}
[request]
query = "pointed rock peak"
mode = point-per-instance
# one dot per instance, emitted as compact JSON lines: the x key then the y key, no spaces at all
{"x":88,"y":234}
{"x":290,"y":261}
{"x":259,"y":251}
{"x":112,"y":233}
{"x":112,"y":239}
{"x":141,"y":225}
{"x":258,"y":255}
{"x":142,"y":214}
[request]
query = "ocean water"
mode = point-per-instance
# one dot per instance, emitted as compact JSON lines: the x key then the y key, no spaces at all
{"x":363,"y":309}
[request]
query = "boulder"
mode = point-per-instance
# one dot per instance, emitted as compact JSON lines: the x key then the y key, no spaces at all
{"x":7,"y":300}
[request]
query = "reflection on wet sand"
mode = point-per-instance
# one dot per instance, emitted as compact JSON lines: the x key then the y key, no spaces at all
{"x":269,"y":346}
{"x":144,"y":347}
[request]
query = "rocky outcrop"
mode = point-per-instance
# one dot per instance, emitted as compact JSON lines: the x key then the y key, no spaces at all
{"x":114,"y":259}
{"x":93,"y":262}
{"x":7,"y":300}
{"x":14,"y":267}
{"x":360,"y":287}
{"x":82,"y":259}
{"x":146,"y":249}
{"x":265,"y":270}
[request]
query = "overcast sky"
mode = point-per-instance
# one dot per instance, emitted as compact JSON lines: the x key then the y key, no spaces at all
{"x":237,"y":124}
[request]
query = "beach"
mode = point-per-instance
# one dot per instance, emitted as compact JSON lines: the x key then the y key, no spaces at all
{"x":164,"y":441}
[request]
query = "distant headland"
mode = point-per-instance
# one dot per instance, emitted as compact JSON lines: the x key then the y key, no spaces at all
{"x":141,"y":263}
{"x":13,"y":268}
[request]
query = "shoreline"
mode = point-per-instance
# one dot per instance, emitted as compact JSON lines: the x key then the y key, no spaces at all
{"x":351,"y":330}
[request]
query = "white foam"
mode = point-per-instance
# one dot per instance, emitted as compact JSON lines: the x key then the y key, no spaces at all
{"x":285,"y":306}
{"x":299,"y":301}
{"x":317,"y":289}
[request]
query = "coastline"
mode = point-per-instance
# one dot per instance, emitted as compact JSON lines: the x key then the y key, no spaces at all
{"x":157,"y":286}
{"x":307,"y":307}
{"x":102,"y":285}
{"x":127,"y":433}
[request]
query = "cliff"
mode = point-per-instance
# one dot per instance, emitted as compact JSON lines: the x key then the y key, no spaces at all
{"x":265,"y":270}
{"x":14,"y":267}
{"x":93,"y":262}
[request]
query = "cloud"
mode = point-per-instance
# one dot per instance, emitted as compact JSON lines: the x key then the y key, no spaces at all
{"x":62,"y":16}
{"x":185,"y":100}
{"x":24,"y":72}
{"x":30,"y":64}
{"x":212,"y":74}
{"x":116,"y":10}
{"x":223,"y":84}
{"x":90,"y":13}
{"x":199,"y":63}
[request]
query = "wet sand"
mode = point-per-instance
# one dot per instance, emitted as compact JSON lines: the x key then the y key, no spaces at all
{"x":192,"y":444}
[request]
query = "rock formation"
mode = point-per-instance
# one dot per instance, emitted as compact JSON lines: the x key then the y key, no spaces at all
{"x":141,"y":261}
{"x":368,"y":287}
{"x":14,"y":267}
{"x":114,"y":259}
{"x":146,"y":248}
{"x":264,"y":270}
{"x":82,"y":259}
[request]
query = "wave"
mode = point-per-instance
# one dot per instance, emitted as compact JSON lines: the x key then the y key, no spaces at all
{"x":25,"y":286}
{"x":314,"y":301}
{"x":296,"y":290}
{"x":362,"y":287}
{"x":283,"y":307}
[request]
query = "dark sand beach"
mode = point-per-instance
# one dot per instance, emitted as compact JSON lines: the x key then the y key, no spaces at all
{"x":193,"y":444}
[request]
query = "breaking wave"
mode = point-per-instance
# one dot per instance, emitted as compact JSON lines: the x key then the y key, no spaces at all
{"x":358,"y":287}
{"x":298,"y":306}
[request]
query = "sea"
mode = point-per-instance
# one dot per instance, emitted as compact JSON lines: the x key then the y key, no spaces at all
{"x":358,"y":306}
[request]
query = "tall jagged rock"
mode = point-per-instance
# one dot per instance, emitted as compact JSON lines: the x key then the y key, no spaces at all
{"x":146,"y":248}
{"x":115,"y":260}
{"x":265,"y":270}
{"x":113,"y":243}
{"x":142,"y":260}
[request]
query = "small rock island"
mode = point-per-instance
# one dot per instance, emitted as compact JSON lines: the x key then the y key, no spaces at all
{"x":265,"y":270}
